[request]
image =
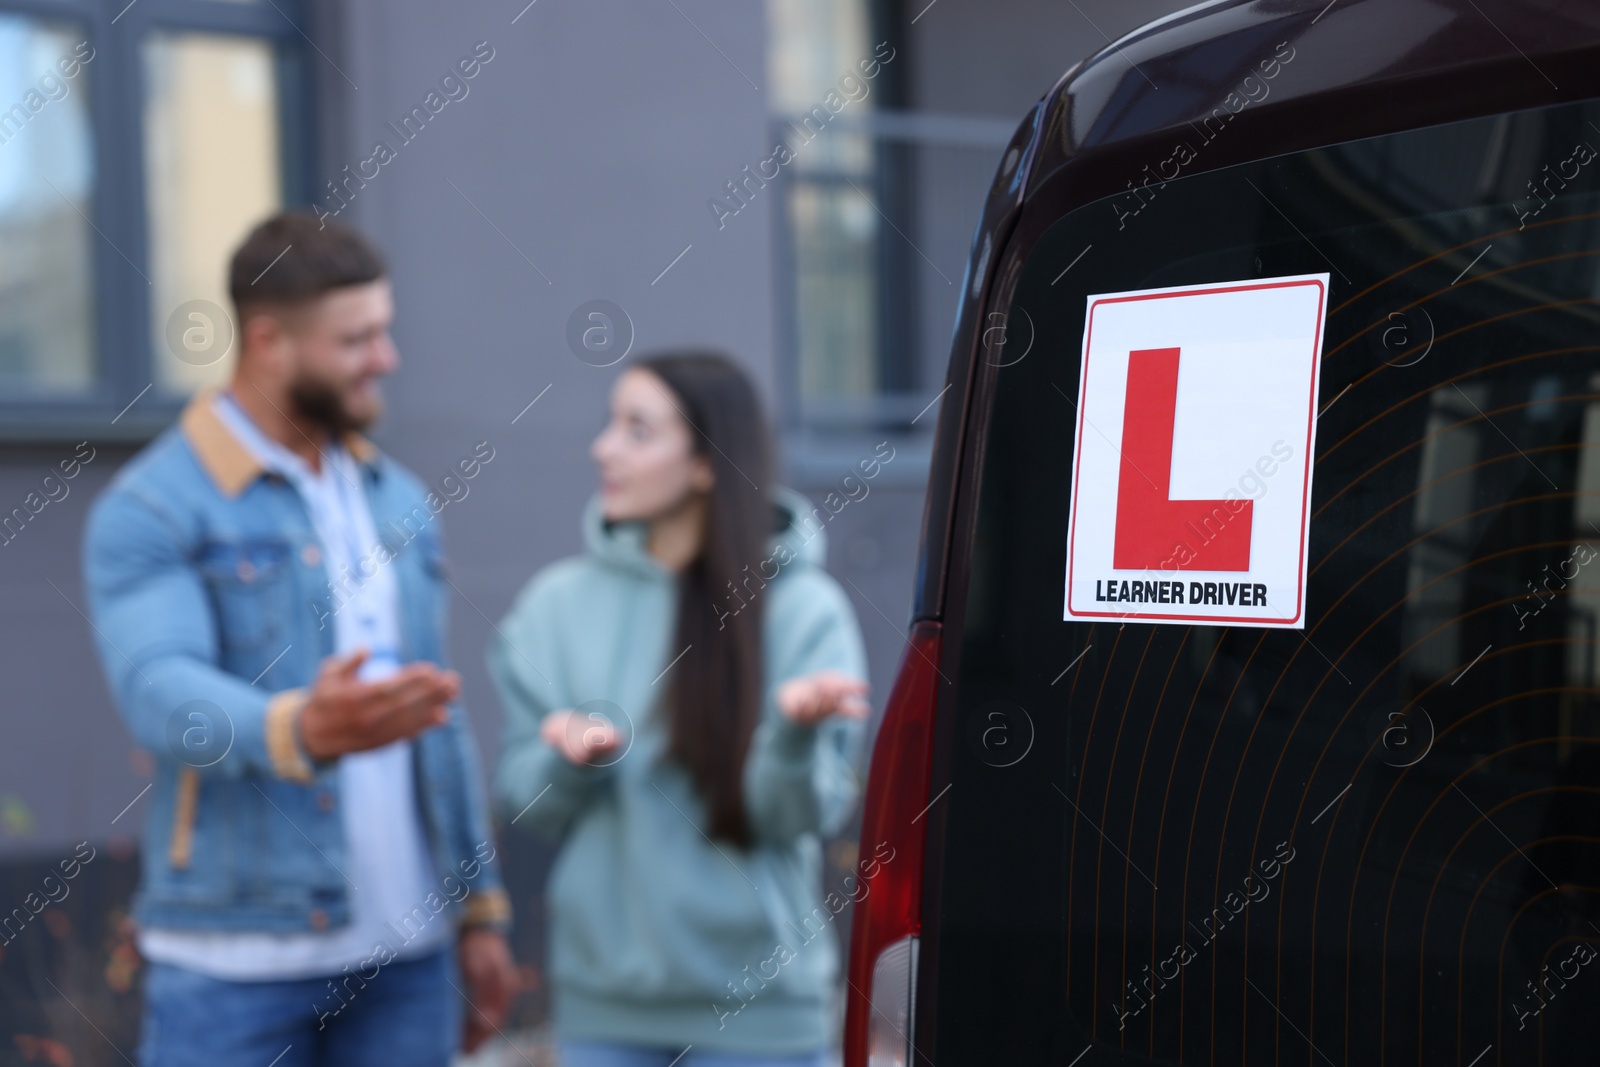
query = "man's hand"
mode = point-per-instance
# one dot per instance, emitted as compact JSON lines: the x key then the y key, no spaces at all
{"x":580,"y":738}
{"x":491,"y":980}
{"x":344,"y":714}
{"x":811,"y":699}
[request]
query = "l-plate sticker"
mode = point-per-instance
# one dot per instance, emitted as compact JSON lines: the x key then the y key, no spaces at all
{"x":1191,"y":476}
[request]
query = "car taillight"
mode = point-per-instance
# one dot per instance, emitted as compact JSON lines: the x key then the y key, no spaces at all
{"x":883,"y":939}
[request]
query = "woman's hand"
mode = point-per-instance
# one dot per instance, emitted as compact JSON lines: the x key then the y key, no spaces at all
{"x":582,"y":739}
{"x":811,"y":699}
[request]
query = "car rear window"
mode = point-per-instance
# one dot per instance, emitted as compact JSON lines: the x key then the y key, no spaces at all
{"x":1376,"y":838}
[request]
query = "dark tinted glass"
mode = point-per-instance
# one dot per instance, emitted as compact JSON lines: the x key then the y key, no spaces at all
{"x":1411,"y":784}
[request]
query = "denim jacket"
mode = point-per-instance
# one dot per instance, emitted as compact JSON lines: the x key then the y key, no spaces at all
{"x":212,"y":611}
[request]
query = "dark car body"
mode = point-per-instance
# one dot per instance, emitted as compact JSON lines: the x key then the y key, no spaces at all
{"x":1070,"y":803}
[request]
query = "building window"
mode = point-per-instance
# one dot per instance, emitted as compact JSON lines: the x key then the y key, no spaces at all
{"x":47,"y":336}
{"x":214,"y":167}
{"x":138,"y":143}
{"x":877,"y":208}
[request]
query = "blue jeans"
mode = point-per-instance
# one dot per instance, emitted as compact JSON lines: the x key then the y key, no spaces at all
{"x":405,"y":1016}
{"x":608,"y":1054}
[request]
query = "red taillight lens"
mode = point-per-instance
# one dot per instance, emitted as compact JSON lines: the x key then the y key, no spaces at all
{"x":893,"y":819}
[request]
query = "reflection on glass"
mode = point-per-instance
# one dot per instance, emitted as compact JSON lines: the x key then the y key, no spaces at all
{"x":811,"y":43}
{"x":818,"y":146}
{"x":818,"y":95}
{"x":213,"y":171}
{"x":835,"y":229}
{"x":47,"y":341}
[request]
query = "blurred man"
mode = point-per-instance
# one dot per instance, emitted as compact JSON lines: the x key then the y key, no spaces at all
{"x":268,"y":594}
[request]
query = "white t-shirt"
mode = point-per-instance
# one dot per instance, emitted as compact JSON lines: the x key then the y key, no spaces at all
{"x":389,"y":872}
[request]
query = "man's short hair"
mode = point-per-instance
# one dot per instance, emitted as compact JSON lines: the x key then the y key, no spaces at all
{"x":292,"y":259}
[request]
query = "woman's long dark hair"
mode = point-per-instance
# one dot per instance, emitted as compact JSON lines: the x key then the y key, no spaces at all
{"x":714,"y":695}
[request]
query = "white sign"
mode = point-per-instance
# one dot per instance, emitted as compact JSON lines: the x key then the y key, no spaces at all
{"x":1191,"y":479}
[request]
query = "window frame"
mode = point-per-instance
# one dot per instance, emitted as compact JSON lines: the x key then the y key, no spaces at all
{"x":817,"y":449}
{"x":115,"y":406}
{"x":908,"y":363}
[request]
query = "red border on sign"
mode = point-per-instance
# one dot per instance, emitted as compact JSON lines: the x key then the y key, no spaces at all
{"x":1305,"y":501}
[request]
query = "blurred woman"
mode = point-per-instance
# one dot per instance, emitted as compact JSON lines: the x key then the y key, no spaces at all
{"x":684,"y":703}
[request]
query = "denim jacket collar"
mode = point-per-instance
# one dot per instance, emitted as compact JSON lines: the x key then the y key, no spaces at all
{"x":224,"y":457}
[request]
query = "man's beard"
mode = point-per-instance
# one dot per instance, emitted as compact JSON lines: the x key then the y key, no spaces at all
{"x":319,"y":402}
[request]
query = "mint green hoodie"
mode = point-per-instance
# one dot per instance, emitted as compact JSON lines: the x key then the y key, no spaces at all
{"x":660,"y":935}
